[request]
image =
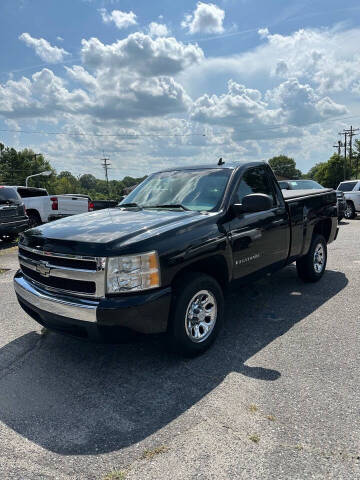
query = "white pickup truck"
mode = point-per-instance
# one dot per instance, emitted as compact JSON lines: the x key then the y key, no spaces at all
{"x":42,"y":207}
{"x":351,"y":189}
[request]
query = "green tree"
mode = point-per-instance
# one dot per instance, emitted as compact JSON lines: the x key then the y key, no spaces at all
{"x":87,"y":181}
{"x":285,"y":167}
{"x":330,"y":173}
{"x":16,"y":166}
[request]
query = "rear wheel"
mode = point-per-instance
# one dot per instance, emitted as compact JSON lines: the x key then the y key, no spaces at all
{"x":34,"y":219}
{"x":197,"y":313}
{"x":349,"y":211}
{"x":312,"y":266}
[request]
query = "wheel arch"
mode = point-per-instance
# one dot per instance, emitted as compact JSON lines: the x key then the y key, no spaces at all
{"x":215,"y":266}
{"x":33,"y":211}
{"x":323,"y":227}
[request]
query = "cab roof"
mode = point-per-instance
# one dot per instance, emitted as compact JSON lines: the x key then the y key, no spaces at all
{"x":226,"y":165}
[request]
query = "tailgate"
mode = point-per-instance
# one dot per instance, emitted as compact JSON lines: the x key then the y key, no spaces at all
{"x":69,"y":205}
{"x":8,"y":212}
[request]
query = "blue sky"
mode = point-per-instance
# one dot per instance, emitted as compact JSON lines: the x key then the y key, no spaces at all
{"x":156,"y":83}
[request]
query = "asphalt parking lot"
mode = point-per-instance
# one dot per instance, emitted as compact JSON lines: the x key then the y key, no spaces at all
{"x":277,"y":397}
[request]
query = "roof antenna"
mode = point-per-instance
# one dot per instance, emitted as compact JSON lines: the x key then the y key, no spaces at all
{"x":221,"y":162}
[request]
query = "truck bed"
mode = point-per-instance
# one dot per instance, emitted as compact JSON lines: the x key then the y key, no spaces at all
{"x":296,"y":194}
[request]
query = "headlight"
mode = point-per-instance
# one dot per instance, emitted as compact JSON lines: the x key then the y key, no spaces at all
{"x":133,"y":273}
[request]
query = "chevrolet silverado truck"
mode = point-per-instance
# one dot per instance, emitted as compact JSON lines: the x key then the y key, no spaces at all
{"x":162,"y":259}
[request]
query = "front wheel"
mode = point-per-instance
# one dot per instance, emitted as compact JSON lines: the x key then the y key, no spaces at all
{"x":197,"y":313}
{"x":312,"y":266}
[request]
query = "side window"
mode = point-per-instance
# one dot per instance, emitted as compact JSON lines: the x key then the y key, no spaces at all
{"x":31,"y":192}
{"x":254,"y":180}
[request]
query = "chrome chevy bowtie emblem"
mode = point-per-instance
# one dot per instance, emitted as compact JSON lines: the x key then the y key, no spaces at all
{"x":43,"y":269}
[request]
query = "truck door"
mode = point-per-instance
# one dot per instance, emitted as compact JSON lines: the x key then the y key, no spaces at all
{"x":259,"y":240}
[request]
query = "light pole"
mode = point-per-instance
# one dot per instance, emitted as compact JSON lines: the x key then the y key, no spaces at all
{"x":46,"y":174}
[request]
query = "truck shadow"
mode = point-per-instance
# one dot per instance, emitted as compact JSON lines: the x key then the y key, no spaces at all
{"x":5,"y":245}
{"x":77,"y":398}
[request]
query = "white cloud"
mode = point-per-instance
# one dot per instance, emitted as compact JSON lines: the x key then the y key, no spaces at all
{"x":141,"y":53}
{"x":206,"y":18}
{"x":44,"y":49}
{"x":123,"y":82}
{"x":263,"y":32}
{"x":44,"y":95}
{"x":237,"y":109}
{"x":301,"y":105}
{"x":158,"y":30}
{"x":119,"y":18}
{"x":328,"y":59}
{"x":250,"y":115}
{"x":288,"y":88}
{"x":123,"y":98}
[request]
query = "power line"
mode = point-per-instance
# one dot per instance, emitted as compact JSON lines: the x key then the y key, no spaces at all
{"x":125,"y":135}
{"x":141,"y":135}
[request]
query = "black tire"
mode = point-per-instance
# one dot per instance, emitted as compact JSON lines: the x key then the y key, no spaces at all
{"x":187,"y":294}
{"x":350,"y":212}
{"x":308,"y":267}
{"x":34,"y":219}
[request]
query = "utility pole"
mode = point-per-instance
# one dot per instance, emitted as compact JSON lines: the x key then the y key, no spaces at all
{"x":344,"y":145}
{"x":350,"y":134}
{"x":338,"y":146}
{"x":106,"y":165}
{"x":345,"y":173}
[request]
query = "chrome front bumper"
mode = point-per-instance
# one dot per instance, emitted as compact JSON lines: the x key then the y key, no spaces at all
{"x":77,"y":309}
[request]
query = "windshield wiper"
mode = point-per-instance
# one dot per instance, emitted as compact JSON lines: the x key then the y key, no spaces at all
{"x":169,"y":205}
{"x":121,"y":205}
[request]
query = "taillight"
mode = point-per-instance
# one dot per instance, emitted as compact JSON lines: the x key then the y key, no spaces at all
{"x":91,"y":206}
{"x":54,"y":203}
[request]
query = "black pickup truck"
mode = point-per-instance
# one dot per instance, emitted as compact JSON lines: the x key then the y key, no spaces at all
{"x":161,"y":260}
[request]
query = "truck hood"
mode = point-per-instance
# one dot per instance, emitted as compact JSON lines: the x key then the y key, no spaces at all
{"x":108,"y":227}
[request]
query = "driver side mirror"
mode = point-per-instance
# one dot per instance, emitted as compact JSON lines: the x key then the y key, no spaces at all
{"x":255,"y":202}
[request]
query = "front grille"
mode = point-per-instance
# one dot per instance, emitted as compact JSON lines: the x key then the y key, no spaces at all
{"x":67,"y":284}
{"x":59,"y":261}
{"x":66,"y":274}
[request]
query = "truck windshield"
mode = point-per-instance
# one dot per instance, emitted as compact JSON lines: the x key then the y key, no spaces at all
{"x":198,"y":189}
{"x":303,"y":184}
{"x":347,"y":186}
